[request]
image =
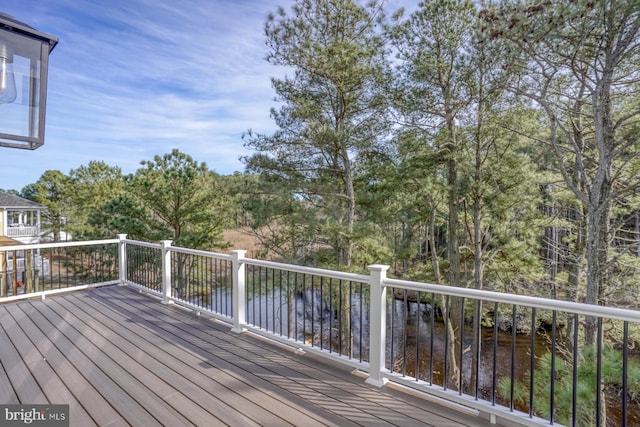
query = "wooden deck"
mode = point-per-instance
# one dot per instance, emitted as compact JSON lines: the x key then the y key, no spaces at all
{"x":118,"y":357}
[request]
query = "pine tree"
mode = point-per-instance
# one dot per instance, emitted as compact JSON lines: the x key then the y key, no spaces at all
{"x":333,"y":114}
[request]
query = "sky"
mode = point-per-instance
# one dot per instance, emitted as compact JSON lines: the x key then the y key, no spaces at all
{"x":131,"y":79}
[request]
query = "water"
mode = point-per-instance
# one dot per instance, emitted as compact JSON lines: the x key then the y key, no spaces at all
{"x":415,"y":346}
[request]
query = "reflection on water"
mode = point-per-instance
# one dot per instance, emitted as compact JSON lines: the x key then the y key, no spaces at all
{"x":417,"y":348}
{"x":314,"y":319}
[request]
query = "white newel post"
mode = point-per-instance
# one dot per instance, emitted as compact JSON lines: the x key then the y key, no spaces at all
{"x":239,"y":292}
{"x":122,"y":259}
{"x":377,"y":325}
{"x":166,"y":271}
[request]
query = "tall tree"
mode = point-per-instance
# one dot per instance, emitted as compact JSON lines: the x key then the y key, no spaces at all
{"x":432,"y":94}
{"x":433,"y":91}
{"x":173,"y":197}
{"x":92,"y":187}
{"x":579,"y":63}
{"x":333,"y":114}
{"x":52,"y":190}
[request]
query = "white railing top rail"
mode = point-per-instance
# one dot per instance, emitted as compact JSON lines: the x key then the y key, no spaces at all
{"x":141,"y":243}
{"x":528,"y":301}
{"x":341,"y":275}
{"x":56,"y":245}
{"x":201,"y":253}
{"x":180,"y":249}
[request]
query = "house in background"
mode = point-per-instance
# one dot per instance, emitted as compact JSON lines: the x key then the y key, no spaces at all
{"x":19,"y":219}
{"x":20,"y":225}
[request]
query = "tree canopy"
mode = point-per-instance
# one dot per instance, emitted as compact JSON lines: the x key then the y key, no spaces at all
{"x":482,"y":145}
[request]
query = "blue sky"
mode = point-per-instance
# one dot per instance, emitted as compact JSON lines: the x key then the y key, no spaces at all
{"x":131,"y":79}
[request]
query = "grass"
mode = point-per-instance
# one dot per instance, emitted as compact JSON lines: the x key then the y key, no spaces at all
{"x":242,"y":239}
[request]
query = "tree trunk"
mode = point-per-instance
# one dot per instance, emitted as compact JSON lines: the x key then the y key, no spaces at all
{"x":346,"y":250}
{"x":451,"y":353}
{"x":597,"y":250}
{"x":599,"y":206}
{"x":453,"y":252}
{"x":478,"y":279}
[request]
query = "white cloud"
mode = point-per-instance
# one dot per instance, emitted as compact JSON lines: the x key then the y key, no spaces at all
{"x":134,"y":78}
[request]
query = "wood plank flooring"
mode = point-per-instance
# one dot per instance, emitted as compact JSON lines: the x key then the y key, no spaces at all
{"x":118,"y":358}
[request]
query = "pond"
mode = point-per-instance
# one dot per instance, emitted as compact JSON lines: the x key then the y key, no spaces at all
{"x":415,"y":343}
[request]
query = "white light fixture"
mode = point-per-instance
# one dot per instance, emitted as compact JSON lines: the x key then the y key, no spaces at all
{"x":24,"y":63}
{"x":8,"y":92}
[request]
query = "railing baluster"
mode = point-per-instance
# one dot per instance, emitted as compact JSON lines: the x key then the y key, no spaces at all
{"x":599,"y":374}
{"x":321,"y":313}
{"x":273,"y":300}
{"x":532,"y":361}
{"x":4,"y":270}
{"x":350,"y":320}
{"x":60,"y":257}
{"x":552,"y":385}
{"x":574,"y":379}
{"x":418,"y":316}
{"x":304,"y":308}
{"x":405,"y":313}
{"x":361,"y":321}
{"x":342,"y":319}
{"x":625,"y":372}
{"x":341,"y":316}
{"x":313,"y":312}
{"x":295,"y":286}
{"x":461,"y":348}
{"x":513,"y":357}
{"x":254,"y":283}
{"x":392,"y":355}
{"x":494,"y":376}
{"x":432,"y":322}
{"x":477,"y":336}
{"x":333,"y":315}
{"x":280,"y":302}
{"x":445,"y":378}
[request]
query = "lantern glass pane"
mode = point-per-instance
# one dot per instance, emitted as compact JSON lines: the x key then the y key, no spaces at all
{"x":21,"y":117}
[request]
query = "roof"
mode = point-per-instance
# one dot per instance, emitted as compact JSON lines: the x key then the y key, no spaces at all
{"x":7,"y":241}
{"x":8,"y":200}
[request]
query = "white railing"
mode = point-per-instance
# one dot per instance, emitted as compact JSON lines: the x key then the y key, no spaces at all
{"x":524,"y":366}
{"x":39,"y":265}
{"x":307,"y":308}
{"x":23,"y":231}
{"x":37,"y":270}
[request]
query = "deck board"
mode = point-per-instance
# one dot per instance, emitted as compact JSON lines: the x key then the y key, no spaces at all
{"x":78,"y":385}
{"x":132,"y":375}
{"x":24,"y":384}
{"x":264,"y":370}
{"x":113,"y":393}
{"x":119,"y":357}
{"x":180,"y":330}
{"x":49,"y":382}
{"x":159,"y":357}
